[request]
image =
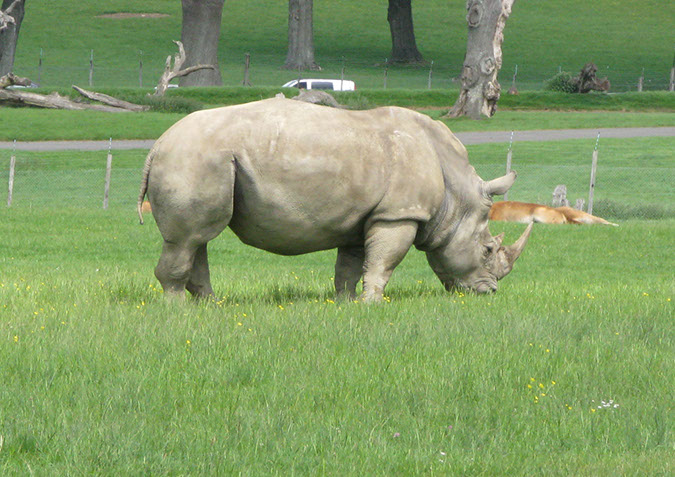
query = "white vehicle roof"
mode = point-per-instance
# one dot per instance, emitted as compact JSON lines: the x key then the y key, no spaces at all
{"x":321,"y":83}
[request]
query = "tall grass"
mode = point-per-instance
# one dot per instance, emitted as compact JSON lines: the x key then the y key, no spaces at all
{"x":102,"y":376}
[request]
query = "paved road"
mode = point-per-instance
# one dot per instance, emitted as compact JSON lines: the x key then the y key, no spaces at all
{"x":467,"y":138}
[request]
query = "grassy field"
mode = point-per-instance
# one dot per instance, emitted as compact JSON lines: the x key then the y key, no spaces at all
{"x":634,"y":176}
{"x":73,"y":125}
{"x":565,"y":371}
{"x":619,"y":38}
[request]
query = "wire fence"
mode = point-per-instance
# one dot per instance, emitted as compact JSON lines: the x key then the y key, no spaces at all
{"x":625,"y":188}
{"x":97,"y":69}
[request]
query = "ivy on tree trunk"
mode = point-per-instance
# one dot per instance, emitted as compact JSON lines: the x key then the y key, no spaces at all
{"x":199,"y":35}
{"x":403,"y":45}
{"x":301,"y":36}
{"x":480,"y":89}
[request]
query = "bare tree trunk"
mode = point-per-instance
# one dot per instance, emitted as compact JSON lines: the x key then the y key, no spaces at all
{"x":301,"y":36}
{"x":480,"y":88}
{"x":200,"y":33}
{"x":11,"y":16}
{"x":403,"y":45}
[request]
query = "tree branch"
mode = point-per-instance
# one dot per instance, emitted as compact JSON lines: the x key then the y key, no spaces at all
{"x":175,"y":72}
{"x":109,"y":100}
{"x":11,"y":79}
{"x":6,"y":18}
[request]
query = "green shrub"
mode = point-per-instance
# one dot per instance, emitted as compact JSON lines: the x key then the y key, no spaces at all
{"x":171,"y":104}
{"x":356,"y":101}
{"x":563,"y":82}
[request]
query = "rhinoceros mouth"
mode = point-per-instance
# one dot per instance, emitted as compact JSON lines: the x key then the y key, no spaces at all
{"x":480,"y":287}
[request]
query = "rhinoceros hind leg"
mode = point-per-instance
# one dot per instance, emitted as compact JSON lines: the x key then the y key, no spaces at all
{"x":174,"y":268}
{"x":386,"y":245}
{"x":199,"y":283}
{"x":348,"y":271}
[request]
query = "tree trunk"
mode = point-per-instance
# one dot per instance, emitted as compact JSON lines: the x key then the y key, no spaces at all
{"x":11,"y":16}
{"x":200,"y":33}
{"x":480,"y":88}
{"x":300,"y":36}
{"x":403,"y":46}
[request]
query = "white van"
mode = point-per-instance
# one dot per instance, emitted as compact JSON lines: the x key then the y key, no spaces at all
{"x":329,"y":84}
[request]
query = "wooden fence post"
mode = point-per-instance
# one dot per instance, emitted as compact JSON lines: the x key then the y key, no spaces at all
{"x":342,"y":74}
{"x":641,"y":80}
{"x":91,"y":68}
{"x":671,"y":86}
{"x":431,"y":69}
{"x":508,"y":162}
{"x":39,"y":78}
{"x":12,"y":165}
{"x":386,"y":68}
{"x":594,"y":167}
{"x":247,"y":65}
{"x":140,"y":68}
{"x":108,"y":171}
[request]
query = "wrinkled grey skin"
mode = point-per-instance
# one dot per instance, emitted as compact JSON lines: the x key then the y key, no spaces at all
{"x":291,"y":178}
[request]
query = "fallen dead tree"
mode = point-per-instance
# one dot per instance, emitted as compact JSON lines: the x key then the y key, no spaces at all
{"x":102,"y":102}
{"x":22,"y":97}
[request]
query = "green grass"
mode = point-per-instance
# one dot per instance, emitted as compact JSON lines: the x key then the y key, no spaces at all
{"x":74,"y":125}
{"x":102,"y":376}
{"x":634,"y":176}
{"x":615,"y":35}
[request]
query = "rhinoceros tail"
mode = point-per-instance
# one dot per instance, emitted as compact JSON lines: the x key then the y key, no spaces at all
{"x":144,"y":183}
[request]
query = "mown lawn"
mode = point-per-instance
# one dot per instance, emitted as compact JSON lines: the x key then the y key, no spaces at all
{"x":619,"y":38}
{"x":102,"y":376}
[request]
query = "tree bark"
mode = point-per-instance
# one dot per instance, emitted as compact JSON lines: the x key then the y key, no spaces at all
{"x":200,"y":33}
{"x":403,"y":45}
{"x":301,"y":36}
{"x":11,"y":16}
{"x":480,"y":88}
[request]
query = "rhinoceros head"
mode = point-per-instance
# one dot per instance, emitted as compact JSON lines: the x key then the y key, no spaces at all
{"x":471,"y":257}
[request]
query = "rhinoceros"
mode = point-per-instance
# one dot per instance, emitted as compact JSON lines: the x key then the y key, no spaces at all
{"x":292,"y":177}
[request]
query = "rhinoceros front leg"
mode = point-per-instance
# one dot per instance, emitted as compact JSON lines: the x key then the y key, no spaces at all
{"x":348,"y":271}
{"x":386,"y":245}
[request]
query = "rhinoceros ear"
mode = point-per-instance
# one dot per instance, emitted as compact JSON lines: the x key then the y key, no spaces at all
{"x":500,"y":185}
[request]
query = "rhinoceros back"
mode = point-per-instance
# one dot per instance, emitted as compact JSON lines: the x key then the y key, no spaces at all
{"x":307,"y":177}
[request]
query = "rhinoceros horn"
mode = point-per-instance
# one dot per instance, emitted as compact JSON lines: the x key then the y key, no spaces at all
{"x":512,"y":252}
{"x":500,"y":185}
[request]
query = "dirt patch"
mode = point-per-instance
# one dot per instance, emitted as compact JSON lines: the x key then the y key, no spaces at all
{"x":122,"y":15}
